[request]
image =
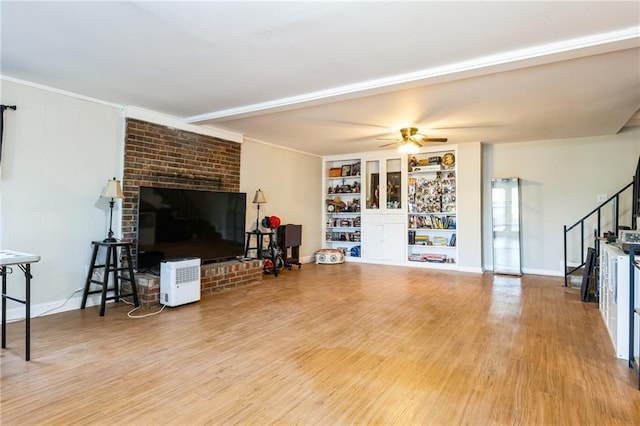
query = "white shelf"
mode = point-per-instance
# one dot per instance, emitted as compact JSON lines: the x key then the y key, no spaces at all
{"x":342,"y":177}
{"x":427,"y":172}
{"x":431,"y":246}
{"x":434,"y":229}
{"x":434,"y":213}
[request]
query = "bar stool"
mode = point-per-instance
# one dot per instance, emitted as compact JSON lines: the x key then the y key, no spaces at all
{"x":110,"y":266}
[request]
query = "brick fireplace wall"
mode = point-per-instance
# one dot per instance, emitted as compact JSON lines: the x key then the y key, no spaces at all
{"x":160,"y":156}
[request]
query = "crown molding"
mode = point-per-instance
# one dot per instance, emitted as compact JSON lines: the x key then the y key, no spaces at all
{"x":297,"y":151}
{"x":138,"y":113}
{"x":59,"y":91}
{"x":516,"y":59}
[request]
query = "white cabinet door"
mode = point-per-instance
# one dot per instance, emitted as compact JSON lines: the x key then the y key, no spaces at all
{"x":383,"y":237}
{"x":372,"y":241}
{"x":394,"y":243}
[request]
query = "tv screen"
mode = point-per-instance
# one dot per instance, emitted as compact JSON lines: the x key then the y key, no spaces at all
{"x":179,"y":223}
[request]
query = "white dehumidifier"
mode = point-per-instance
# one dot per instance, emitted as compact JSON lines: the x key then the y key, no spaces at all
{"x":179,"y":281}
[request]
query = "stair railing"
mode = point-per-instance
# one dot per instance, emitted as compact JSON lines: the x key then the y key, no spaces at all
{"x":597,"y":211}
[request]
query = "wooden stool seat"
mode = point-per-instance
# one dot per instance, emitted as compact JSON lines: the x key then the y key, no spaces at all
{"x":110,"y":266}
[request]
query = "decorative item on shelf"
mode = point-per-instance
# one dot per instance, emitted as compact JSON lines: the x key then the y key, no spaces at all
{"x":112,"y":190}
{"x":355,"y":169}
{"x":259,"y":199}
{"x":353,"y":206}
{"x":431,"y":161}
{"x":435,"y":258}
{"x":346,"y":170}
{"x":335,"y":172}
{"x":440,"y":241}
{"x":413,"y":161}
{"x":335,"y":204}
{"x":345,"y":188}
{"x":428,"y":168}
{"x":449,"y":160}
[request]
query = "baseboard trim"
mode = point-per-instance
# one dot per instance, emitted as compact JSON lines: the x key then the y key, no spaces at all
{"x":43,"y":309}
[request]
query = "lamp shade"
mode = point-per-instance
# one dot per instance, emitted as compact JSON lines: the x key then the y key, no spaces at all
{"x":112,"y":190}
{"x":259,"y":197}
{"x":409,"y":147}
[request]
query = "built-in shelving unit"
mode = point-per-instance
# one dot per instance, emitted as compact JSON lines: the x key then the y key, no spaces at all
{"x":342,"y":190}
{"x":390,"y":208}
{"x":431,"y":184}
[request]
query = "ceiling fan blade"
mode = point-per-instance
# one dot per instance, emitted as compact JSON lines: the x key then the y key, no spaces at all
{"x":388,"y":139}
{"x":355,"y":123}
{"x":387,"y":144}
{"x":441,"y":140}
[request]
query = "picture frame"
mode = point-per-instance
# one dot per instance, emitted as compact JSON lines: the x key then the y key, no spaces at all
{"x":355,"y":169}
{"x":346,"y":170}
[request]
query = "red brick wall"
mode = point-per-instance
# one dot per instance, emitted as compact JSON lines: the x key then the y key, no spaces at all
{"x":214,"y":277}
{"x":227,"y":275}
{"x":161,"y":156}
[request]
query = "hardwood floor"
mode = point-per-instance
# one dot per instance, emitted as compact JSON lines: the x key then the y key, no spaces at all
{"x":331,"y":345}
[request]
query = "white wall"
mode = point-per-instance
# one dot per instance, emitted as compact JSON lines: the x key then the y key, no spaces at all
{"x":560,"y":181}
{"x":469,"y":209}
{"x":58,"y":153}
{"x":291,"y":182}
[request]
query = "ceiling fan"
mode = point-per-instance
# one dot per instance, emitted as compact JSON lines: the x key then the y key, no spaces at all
{"x":411,"y":141}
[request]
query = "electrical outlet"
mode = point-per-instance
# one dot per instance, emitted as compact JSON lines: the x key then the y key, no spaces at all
{"x":601,"y":198}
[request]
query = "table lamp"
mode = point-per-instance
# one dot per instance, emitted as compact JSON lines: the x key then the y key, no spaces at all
{"x":258,"y":199}
{"x":113,"y":190}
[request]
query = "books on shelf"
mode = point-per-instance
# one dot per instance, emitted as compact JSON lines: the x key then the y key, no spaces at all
{"x":416,"y":239}
{"x":434,"y":258}
{"x":432,"y":222}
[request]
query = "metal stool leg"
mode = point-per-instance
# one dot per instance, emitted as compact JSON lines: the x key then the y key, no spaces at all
{"x":105,"y":281}
{"x":87,"y":283}
{"x":132,"y":278}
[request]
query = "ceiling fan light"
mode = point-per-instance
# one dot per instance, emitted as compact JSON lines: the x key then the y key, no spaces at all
{"x":408,"y":147}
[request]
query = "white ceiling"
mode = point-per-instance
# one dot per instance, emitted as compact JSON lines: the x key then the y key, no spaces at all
{"x":330,"y":77}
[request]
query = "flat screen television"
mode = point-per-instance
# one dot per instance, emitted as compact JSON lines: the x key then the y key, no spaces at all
{"x":178,"y":223}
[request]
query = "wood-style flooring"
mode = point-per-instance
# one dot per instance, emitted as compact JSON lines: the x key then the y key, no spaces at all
{"x":329,"y":345}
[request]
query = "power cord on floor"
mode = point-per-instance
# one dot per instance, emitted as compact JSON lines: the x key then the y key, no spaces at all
{"x":140,"y":316}
{"x":63,"y":303}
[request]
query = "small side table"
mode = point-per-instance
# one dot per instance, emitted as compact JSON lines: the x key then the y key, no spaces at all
{"x":23,"y":261}
{"x":110,"y":266}
{"x":259,"y":239}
